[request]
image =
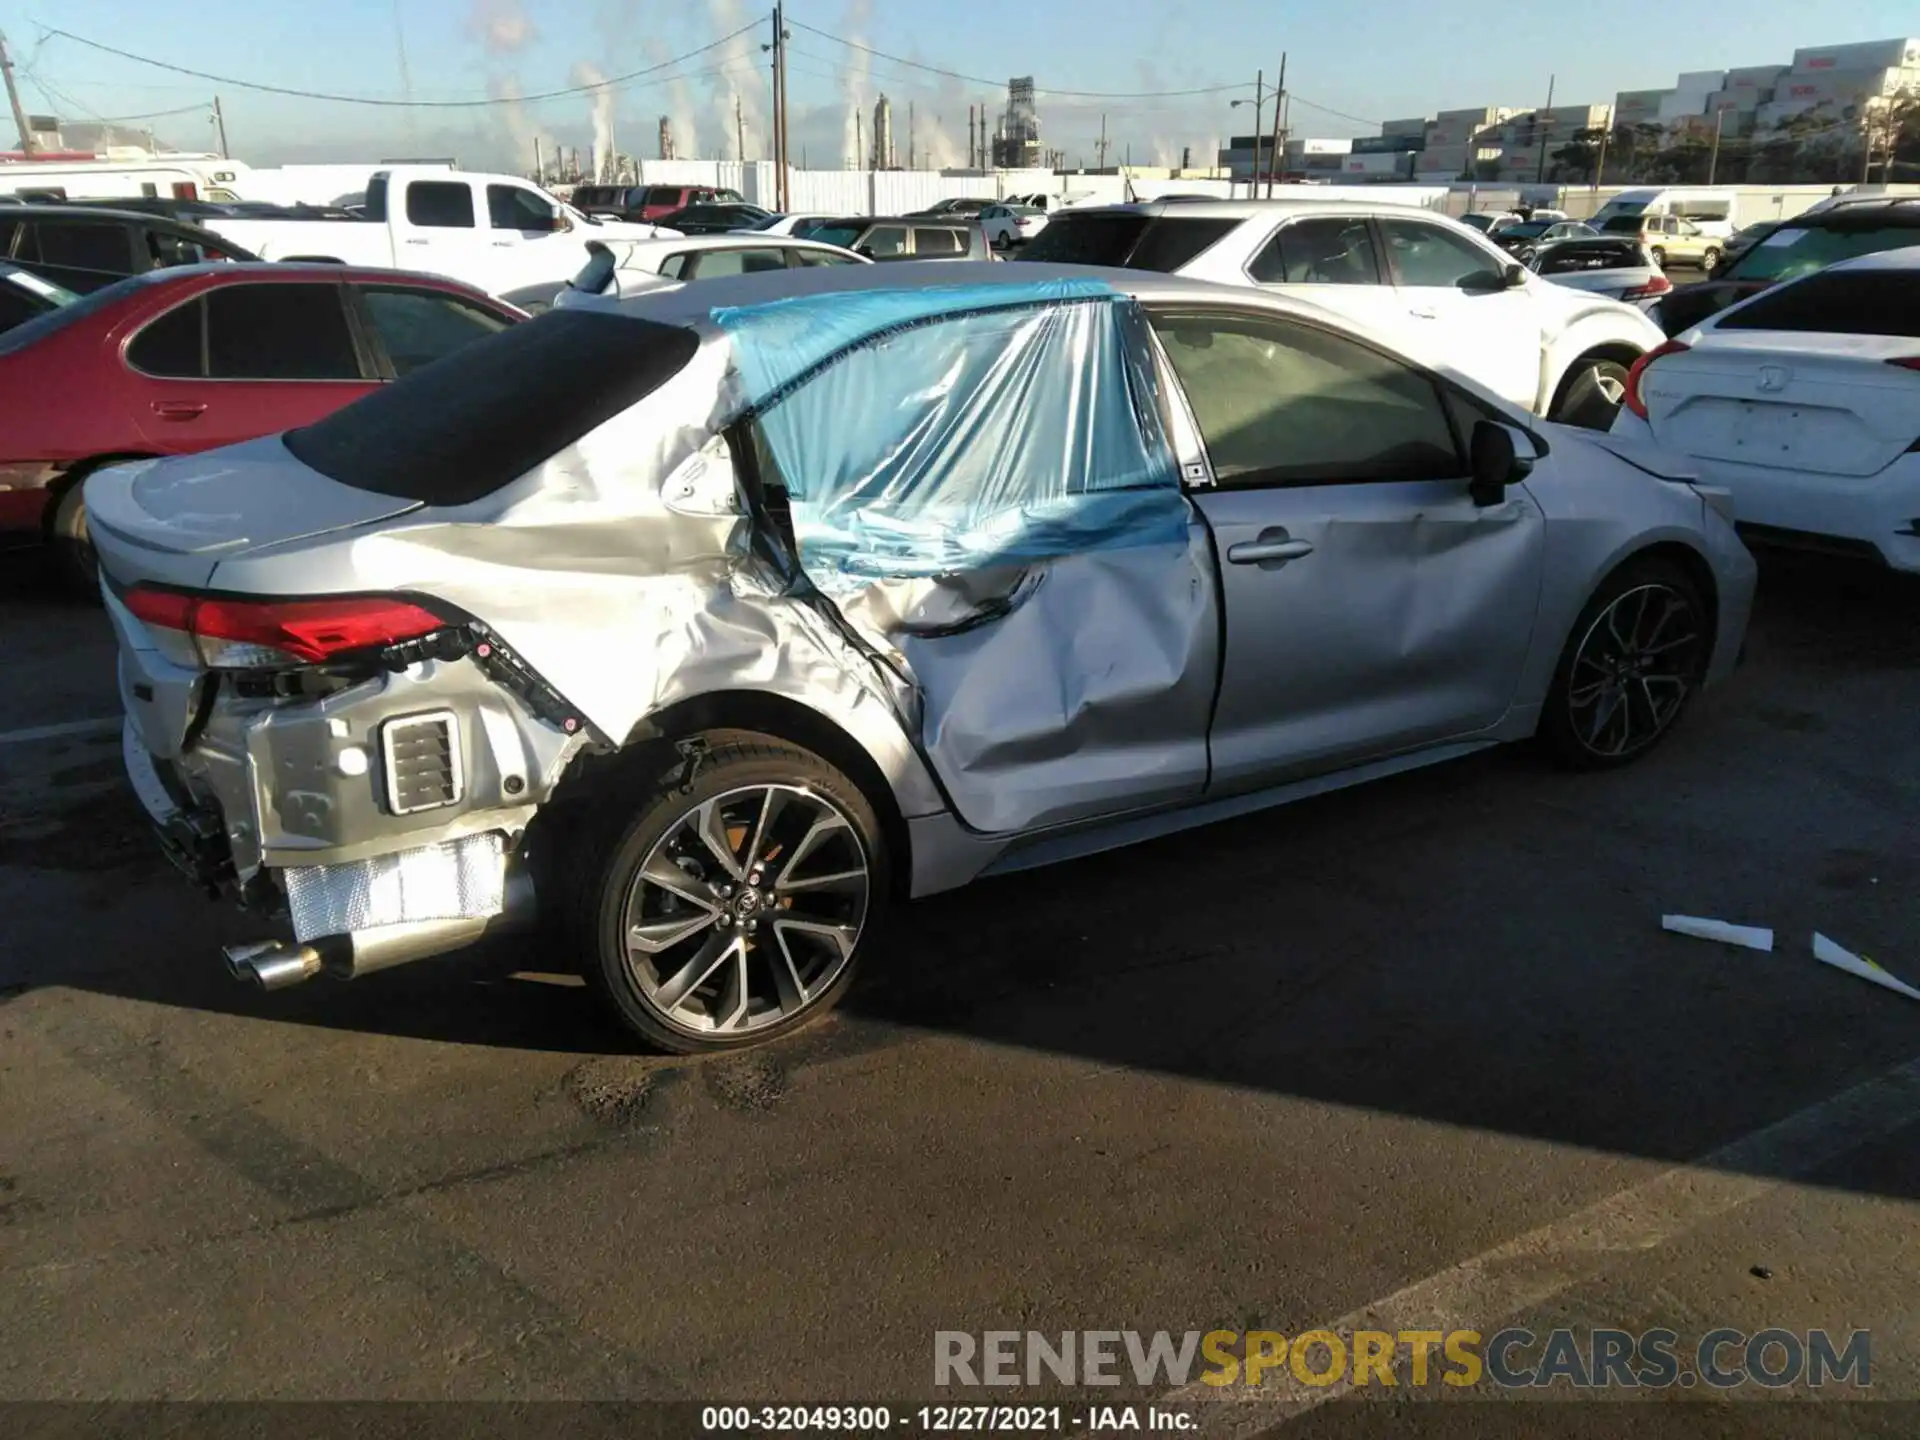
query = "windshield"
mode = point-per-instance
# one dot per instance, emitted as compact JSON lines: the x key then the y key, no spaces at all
{"x":841,"y":235}
{"x":1478,"y":222}
{"x":1527,"y":229}
{"x":1623,"y":225}
{"x":1798,"y":250}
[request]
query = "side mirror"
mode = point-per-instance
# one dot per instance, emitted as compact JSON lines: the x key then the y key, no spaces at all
{"x":1515,"y":276}
{"x":559,"y":222}
{"x":1499,"y":456}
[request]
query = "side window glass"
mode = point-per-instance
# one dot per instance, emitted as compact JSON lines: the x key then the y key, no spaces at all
{"x":886,"y":242}
{"x":1279,"y":403}
{"x":1326,"y":251}
{"x":674,"y":266}
{"x":279,"y":332}
{"x":714,"y":263}
{"x":86,"y":247}
{"x":937,"y":242}
{"x":174,"y":346}
{"x":511,"y":208}
{"x":1425,"y":255}
{"x":440,"y":205}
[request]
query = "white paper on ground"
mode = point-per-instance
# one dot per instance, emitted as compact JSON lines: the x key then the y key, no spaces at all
{"x":1750,"y":936}
{"x":1827,"y":952}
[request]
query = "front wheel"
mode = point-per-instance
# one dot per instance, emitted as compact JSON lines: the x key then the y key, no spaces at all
{"x":79,"y":566}
{"x":1590,"y":396}
{"x":1710,"y":261}
{"x":736,"y":904}
{"x":1635,"y":658}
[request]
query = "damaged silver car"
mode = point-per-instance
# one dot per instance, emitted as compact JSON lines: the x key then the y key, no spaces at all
{"x":722,"y":619}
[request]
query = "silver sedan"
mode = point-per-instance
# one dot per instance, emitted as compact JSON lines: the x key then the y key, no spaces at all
{"x":720,"y":619}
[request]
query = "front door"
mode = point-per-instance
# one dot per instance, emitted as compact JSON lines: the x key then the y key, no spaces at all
{"x":1452,"y":287}
{"x":1371,"y":607}
{"x":1333,"y":261}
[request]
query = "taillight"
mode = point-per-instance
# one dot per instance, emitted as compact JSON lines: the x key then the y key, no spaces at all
{"x":1907,"y":362}
{"x":1633,"y":399}
{"x":233,"y":634}
{"x":1658,"y":285}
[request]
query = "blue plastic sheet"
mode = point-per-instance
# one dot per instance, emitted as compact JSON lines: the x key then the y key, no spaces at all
{"x":927,"y":431}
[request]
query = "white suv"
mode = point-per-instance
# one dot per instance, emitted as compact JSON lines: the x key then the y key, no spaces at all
{"x":1431,"y":283}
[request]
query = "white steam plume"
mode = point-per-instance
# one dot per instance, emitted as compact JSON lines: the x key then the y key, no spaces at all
{"x":501,"y":25}
{"x":853,"y":86}
{"x":603,"y":100}
{"x":738,"y":89}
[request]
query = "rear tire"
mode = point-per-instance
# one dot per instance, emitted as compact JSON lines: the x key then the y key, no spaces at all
{"x":1659,"y":256}
{"x":1590,"y":395}
{"x":1631,"y":666}
{"x":731,"y":901}
{"x":67,"y":532}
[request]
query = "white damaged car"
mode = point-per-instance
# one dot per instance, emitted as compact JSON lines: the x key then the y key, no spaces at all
{"x":718,"y":620}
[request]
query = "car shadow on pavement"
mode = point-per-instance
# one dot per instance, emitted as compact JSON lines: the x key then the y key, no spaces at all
{"x":1477,"y":945}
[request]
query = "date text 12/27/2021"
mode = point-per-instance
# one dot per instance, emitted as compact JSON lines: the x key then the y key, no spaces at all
{"x":943,"y":1419}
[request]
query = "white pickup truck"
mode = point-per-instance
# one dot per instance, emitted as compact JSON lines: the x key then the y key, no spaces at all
{"x":495,"y":232}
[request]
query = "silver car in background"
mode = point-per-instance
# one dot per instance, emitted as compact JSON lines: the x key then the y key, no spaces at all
{"x":720,"y":619}
{"x":1619,"y":268}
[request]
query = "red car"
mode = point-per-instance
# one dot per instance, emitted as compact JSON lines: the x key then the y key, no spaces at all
{"x":197,"y":356}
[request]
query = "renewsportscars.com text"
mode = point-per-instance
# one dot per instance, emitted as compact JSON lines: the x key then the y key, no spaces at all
{"x":1720,"y":1359}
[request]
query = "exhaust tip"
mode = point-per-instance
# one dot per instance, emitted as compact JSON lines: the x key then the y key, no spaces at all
{"x":273,"y":964}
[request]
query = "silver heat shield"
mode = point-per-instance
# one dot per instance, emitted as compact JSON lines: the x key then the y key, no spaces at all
{"x":459,"y":880}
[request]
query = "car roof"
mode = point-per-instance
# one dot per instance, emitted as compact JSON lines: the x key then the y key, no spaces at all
{"x":737,"y":240}
{"x":901,"y":219}
{"x":694,"y":304}
{"x":1889,"y":209}
{"x":1256,"y":209}
{"x":243,"y":271}
{"x":13,"y":208}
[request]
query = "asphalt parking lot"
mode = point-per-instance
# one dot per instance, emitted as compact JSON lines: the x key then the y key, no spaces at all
{"x":1419,"y":1051}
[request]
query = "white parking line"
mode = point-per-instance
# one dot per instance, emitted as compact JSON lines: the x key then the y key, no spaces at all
{"x":55,"y":732}
{"x":1493,"y":1286}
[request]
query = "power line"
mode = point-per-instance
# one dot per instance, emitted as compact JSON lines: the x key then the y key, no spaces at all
{"x":997,"y":84}
{"x":1329,"y":110}
{"x":400,"y":104}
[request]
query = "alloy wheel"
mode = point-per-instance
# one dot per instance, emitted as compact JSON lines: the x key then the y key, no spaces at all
{"x":1633,"y":670}
{"x":747,"y":909}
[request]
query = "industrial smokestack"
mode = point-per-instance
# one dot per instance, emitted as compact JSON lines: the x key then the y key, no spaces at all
{"x":666,"y":137}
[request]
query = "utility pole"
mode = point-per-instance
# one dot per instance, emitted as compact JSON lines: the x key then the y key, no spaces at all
{"x":1866,"y":146}
{"x":220,"y":128}
{"x":739,"y":131}
{"x":1600,"y":170}
{"x":859,"y":139}
{"x":539,"y":164}
{"x":13,"y":98}
{"x":1713,"y":160}
{"x":1546,"y":121}
{"x":1100,"y":146}
{"x":781,"y":160}
{"x":910,"y":164}
{"x":1274,"y":153}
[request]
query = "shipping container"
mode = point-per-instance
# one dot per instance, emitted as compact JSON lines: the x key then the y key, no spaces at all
{"x":1415,"y":126}
{"x":1700,"y":82}
{"x":1755,"y":77}
{"x":1680,"y":106}
{"x":1305,"y":146}
{"x":1382,"y":165}
{"x":1841,"y":85}
{"x":1867,"y":55}
{"x":1388,"y":144}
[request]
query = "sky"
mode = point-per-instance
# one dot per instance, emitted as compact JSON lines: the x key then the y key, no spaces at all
{"x":1348,"y":67}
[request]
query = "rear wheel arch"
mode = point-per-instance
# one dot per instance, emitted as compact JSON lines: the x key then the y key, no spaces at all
{"x":759,"y":713}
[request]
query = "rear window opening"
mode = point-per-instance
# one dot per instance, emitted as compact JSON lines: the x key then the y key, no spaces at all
{"x":1838,"y":302}
{"x":474,"y":421}
{"x":1127,"y":240}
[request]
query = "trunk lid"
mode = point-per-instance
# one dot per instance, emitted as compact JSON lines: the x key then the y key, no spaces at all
{"x":169,"y":522}
{"x":1813,"y":403}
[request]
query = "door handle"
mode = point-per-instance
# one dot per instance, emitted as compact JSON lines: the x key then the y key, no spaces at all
{"x":1254,"y":552}
{"x":179,"y":409}
{"x":502,"y":244}
{"x":1421,"y":312}
{"x":416,"y":241}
